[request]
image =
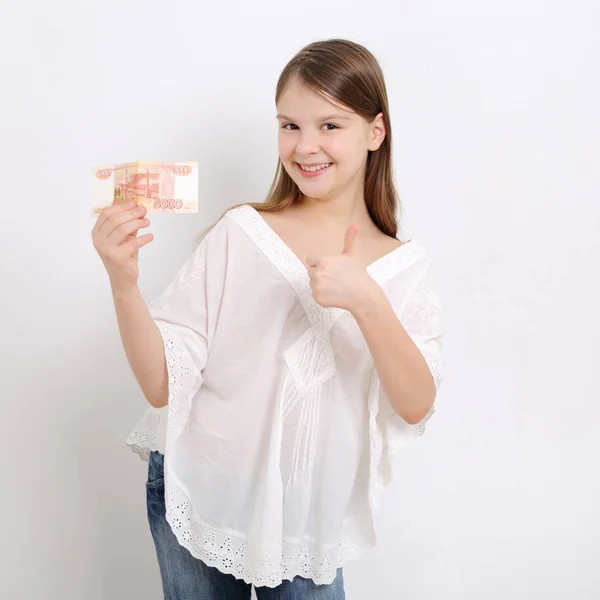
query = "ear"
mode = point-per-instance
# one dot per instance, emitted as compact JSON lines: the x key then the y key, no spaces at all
{"x":377,"y":132}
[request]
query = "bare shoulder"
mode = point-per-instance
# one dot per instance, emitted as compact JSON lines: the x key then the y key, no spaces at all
{"x":390,"y":243}
{"x":273,"y":217}
{"x":381,"y":243}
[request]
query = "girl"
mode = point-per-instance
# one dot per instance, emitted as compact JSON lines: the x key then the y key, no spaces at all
{"x":296,"y":350}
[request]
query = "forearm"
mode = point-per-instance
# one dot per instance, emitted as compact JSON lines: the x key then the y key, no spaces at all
{"x":143,"y":344}
{"x":404,"y":373}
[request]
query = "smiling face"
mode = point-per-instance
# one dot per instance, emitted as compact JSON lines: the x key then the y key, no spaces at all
{"x":313,"y":130}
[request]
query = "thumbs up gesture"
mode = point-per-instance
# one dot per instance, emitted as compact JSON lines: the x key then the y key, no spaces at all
{"x":340,"y":281}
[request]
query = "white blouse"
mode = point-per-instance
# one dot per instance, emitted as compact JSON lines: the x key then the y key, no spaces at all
{"x":278,"y":439}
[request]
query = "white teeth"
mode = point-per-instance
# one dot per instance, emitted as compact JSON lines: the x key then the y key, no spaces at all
{"x":316,"y":168}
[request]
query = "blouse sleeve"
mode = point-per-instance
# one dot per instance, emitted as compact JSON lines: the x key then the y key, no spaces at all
{"x":185,"y":313}
{"x":422,"y":317}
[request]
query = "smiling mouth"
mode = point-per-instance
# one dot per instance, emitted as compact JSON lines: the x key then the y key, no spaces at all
{"x":315,"y":170}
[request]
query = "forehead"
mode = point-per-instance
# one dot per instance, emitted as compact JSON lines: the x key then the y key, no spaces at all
{"x":300,"y":102}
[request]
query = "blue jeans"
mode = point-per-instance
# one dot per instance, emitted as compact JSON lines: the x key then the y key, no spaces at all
{"x":185,"y":577}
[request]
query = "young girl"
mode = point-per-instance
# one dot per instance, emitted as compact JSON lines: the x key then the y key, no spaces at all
{"x":296,"y":350}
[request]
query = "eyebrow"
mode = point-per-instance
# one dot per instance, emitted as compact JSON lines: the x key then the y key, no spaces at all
{"x":335,"y":117}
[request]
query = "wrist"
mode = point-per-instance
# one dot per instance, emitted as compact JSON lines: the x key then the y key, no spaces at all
{"x":120,"y":290}
{"x":370,"y":302}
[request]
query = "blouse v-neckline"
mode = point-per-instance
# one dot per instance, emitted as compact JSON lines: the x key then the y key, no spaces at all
{"x":281,"y":256}
{"x":379,"y":269}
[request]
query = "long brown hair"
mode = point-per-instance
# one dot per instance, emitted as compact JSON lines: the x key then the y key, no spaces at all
{"x":349,"y":73}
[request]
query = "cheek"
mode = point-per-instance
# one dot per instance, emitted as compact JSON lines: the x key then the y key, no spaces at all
{"x":285,"y":147}
{"x":354,"y":154}
{"x":341,"y":148}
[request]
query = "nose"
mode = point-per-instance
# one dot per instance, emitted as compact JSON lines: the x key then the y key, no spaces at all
{"x":308,"y":143}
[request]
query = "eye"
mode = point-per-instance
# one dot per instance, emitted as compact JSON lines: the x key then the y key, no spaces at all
{"x":291,"y":124}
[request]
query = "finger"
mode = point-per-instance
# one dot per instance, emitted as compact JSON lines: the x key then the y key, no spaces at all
{"x":349,"y":238}
{"x":312,"y":260}
{"x":125,"y":230}
{"x":114,"y":221}
{"x":113,"y":209}
{"x":132,"y":245}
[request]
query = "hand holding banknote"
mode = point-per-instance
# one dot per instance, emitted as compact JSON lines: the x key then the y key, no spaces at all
{"x":115,"y":239}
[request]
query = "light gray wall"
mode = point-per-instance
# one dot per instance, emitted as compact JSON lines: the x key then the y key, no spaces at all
{"x":496,"y":128}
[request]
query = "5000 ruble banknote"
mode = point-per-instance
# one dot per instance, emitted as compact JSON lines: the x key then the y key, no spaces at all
{"x":162,"y":187}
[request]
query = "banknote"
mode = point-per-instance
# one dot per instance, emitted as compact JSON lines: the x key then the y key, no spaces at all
{"x":162,"y":187}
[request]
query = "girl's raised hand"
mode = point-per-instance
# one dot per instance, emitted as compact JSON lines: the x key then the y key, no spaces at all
{"x":115,"y":239}
{"x":340,"y":281}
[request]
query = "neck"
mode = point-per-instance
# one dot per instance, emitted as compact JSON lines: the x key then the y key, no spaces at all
{"x":337,"y":213}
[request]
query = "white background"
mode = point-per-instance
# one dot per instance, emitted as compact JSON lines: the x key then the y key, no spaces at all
{"x":494,"y":109}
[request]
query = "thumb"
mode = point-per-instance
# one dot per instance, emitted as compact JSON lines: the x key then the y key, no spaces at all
{"x":349,"y":239}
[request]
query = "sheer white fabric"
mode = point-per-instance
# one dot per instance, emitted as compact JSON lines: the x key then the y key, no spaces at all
{"x":278,"y":437}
